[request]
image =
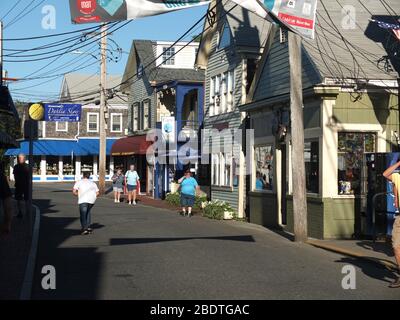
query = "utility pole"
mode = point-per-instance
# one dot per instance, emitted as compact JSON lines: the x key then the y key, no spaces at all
{"x":297,"y":135}
{"x":1,"y":53}
{"x":103,"y":102}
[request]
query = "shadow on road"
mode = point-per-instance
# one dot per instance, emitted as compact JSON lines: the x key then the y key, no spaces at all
{"x":126,"y":241}
{"x":77,"y":268}
{"x":373,"y":270}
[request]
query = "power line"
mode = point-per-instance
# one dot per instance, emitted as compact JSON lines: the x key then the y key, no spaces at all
{"x":9,"y":11}
{"x":22,"y":15}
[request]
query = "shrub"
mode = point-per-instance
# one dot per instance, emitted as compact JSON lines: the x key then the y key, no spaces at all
{"x":174,"y":199}
{"x":216,"y":209}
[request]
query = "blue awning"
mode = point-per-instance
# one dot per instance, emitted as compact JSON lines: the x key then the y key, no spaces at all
{"x":82,"y":147}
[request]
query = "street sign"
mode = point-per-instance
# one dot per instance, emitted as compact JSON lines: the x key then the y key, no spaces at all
{"x":298,"y":14}
{"x":168,"y":128}
{"x":62,"y":112}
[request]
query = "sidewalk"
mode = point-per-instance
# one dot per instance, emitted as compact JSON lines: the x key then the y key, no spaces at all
{"x":379,"y":252}
{"x":14,"y":252}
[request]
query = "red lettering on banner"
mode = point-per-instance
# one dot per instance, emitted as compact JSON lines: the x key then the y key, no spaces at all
{"x":297,"y":21}
{"x":86,"y":6}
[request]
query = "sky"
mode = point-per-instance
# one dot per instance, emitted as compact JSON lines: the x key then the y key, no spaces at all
{"x":168,"y":26}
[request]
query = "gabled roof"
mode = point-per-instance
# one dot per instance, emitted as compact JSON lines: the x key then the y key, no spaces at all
{"x":328,"y":56}
{"x":77,"y":87}
{"x":365,"y":42}
{"x":143,"y":52}
{"x":249,"y":31}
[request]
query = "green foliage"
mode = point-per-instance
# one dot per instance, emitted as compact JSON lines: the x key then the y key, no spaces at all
{"x":175,"y":200}
{"x":216,"y":209}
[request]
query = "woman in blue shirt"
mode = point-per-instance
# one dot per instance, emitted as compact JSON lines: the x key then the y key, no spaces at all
{"x":188,"y":188}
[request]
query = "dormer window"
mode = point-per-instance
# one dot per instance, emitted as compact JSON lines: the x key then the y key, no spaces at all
{"x":140,"y":70}
{"x":225,"y":38}
{"x":168,"y":56}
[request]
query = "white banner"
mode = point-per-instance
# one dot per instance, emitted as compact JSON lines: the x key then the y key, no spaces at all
{"x":297,"y":14}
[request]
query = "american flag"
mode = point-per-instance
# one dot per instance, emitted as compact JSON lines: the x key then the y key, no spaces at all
{"x":389,"y":26}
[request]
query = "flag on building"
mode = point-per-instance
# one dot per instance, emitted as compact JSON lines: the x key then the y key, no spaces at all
{"x":389,"y":26}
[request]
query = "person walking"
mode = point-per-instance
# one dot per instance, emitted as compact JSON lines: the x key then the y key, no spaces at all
{"x":188,"y":188}
{"x":132,"y":181}
{"x":22,"y":184}
{"x":87,"y":192}
{"x":394,"y":177}
{"x":118,"y":181}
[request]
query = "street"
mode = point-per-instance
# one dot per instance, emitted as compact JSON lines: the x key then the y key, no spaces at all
{"x":147,"y":253}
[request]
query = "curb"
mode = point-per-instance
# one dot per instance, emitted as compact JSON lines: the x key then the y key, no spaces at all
{"x":391,"y":266}
{"x":27,"y":285}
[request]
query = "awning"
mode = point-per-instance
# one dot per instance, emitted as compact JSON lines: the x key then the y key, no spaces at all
{"x":82,"y":147}
{"x":130,"y":145}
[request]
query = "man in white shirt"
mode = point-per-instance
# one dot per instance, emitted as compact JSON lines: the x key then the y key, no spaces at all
{"x":132,"y":181}
{"x":87,"y":192}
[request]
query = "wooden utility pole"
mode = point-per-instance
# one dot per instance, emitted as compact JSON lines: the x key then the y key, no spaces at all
{"x":103,"y":106}
{"x":1,"y":53}
{"x":297,"y":135}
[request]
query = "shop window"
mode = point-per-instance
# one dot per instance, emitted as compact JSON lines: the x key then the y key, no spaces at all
{"x":264,"y":173}
{"x":36,"y":165}
{"x":311,"y":160}
{"x":222,"y":169}
{"x":116,"y":122}
{"x":352,"y":147}
{"x":52,"y":165}
{"x":168,"y":56}
{"x":92,"y":122}
{"x":87,"y":164}
{"x":68,"y":166}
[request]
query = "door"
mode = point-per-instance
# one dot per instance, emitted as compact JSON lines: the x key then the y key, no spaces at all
{"x":284,"y":185}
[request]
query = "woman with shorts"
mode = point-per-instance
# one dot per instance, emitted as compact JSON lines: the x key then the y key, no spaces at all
{"x":188,"y":187}
{"x":118,"y":180}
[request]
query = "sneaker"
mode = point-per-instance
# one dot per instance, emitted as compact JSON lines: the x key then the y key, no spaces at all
{"x":115,"y":201}
{"x":130,"y":203}
{"x":89,"y":230}
{"x":134,"y":203}
{"x":189,"y":214}
{"x":395,"y":284}
{"x":84,"y":232}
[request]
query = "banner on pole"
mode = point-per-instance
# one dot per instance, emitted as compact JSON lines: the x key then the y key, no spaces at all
{"x":297,"y":14}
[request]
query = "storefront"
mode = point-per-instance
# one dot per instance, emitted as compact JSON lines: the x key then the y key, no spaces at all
{"x":340,"y":135}
{"x":132,"y":150}
{"x":64,"y":160}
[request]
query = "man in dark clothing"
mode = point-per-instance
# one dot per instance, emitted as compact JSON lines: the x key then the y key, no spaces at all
{"x":22,"y":182}
{"x":6,"y":202}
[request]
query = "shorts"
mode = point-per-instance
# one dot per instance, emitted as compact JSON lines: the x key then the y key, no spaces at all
{"x":396,"y":233}
{"x":117,"y":189}
{"x":22,"y":194}
{"x":131,"y":187}
{"x":187,"y":200}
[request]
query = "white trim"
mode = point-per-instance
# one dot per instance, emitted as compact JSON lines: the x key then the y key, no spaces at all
{"x":61,"y":130}
{"x":112,"y":121}
{"x":87,"y":121}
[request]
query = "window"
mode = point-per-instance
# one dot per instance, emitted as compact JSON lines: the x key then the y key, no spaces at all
{"x":62,"y":126}
{"x":146,"y":114}
{"x":168,"y":56}
{"x":222,"y":93}
{"x":140,"y":70}
{"x":225,"y":39}
{"x":92,"y":122}
{"x":264,"y":173}
{"x":221,"y":168}
{"x":116,"y":122}
{"x":352,"y":146}
{"x":311,"y":160}
{"x":135,"y":117}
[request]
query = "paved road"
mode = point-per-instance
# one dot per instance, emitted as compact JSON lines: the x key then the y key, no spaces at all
{"x":146,"y":253}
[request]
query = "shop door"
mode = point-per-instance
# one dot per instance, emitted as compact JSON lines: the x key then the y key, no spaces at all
{"x":283,"y":185}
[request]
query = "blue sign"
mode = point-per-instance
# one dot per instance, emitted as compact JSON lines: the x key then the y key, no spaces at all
{"x":62,"y":112}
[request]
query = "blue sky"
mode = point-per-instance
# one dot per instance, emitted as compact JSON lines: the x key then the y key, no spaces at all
{"x":163,"y":27}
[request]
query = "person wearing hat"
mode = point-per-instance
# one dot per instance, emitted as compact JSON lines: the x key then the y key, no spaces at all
{"x":188,"y":187}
